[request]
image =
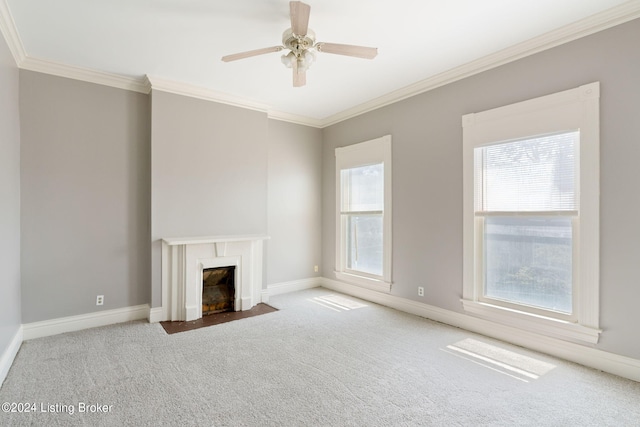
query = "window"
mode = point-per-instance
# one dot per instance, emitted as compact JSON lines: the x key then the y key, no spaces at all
{"x":531,"y":206}
{"x":363,"y":213}
{"x":526,"y":204}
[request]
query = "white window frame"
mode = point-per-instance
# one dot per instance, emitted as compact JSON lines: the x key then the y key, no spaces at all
{"x":573,"y":109}
{"x":365,"y":153}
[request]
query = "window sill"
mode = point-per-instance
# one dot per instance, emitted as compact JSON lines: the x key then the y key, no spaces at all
{"x":533,"y":323}
{"x":365,"y":282}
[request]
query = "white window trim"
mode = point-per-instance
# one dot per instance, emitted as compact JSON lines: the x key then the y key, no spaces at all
{"x":572,"y":109}
{"x":365,"y":153}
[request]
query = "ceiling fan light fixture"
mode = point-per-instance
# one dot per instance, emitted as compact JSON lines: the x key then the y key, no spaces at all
{"x":305,"y":59}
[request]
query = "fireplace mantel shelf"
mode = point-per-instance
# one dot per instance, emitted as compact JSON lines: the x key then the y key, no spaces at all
{"x":172,"y":241}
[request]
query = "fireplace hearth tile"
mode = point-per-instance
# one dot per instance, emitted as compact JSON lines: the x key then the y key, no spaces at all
{"x":215,"y":319}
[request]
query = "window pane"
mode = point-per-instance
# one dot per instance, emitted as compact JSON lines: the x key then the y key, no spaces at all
{"x":363,"y":188}
{"x":364,"y":243}
{"x":529,"y":261}
{"x":535,"y":174}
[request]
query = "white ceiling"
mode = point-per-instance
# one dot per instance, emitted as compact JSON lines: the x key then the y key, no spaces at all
{"x":183,"y":40}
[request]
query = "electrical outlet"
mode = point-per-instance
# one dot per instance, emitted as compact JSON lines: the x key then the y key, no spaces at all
{"x":315,"y":268}
{"x":100,"y":300}
{"x":420,"y":291}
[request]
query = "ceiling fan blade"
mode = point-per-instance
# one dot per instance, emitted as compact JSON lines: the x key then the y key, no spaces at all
{"x":250,"y":53}
{"x":299,"y":17}
{"x":348,"y":50}
{"x":299,"y":76}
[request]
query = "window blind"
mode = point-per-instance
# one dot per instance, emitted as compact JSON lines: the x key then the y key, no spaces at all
{"x":529,"y":175}
{"x":363,"y":189}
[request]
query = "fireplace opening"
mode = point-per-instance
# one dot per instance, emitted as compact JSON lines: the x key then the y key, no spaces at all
{"x":218,"y":289}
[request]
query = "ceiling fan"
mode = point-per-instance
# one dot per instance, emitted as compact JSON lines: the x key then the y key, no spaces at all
{"x":301,"y":41}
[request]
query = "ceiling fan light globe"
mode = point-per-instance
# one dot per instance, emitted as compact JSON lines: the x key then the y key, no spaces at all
{"x":288,"y":59}
{"x":306,"y":59}
{"x":309,"y":56}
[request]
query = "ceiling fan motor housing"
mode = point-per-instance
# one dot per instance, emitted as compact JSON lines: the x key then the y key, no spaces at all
{"x":298,"y":44}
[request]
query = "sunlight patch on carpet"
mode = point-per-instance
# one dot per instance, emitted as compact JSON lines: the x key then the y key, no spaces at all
{"x":337,"y":302}
{"x":507,"y":362}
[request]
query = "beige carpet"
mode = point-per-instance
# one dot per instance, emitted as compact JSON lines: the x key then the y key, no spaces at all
{"x":322,"y":360}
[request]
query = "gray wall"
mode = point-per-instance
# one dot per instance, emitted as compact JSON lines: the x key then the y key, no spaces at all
{"x":9,"y":198}
{"x":209,"y":172}
{"x":427,"y":172}
{"x":85,"y":197}
{"x":86,"y":181}
{"x":294,"y":202}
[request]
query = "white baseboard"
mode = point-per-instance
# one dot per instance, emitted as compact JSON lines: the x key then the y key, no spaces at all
{"x":61,"y":325}
{"x":156,"y":314}
{"x":9,"y":355}
{"x":294,"y":285}
{"x":623,"y":366}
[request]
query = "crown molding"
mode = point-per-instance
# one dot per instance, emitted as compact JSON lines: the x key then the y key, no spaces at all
{"x":85,"y":74}
{"x":296,"y":119}
{"x":192,"y":91}
{"x":10,"y":33}
{"x":591,"y":25}
{"x":25,"y":62}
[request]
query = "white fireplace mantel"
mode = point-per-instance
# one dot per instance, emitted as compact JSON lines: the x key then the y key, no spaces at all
{"x":184,"y":259}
